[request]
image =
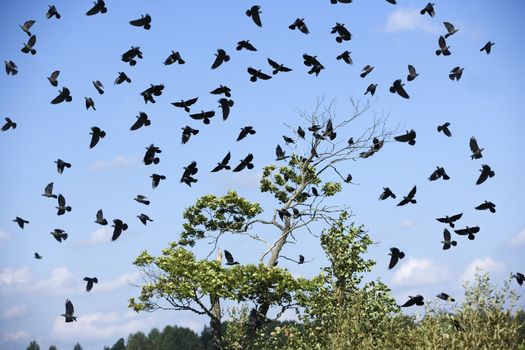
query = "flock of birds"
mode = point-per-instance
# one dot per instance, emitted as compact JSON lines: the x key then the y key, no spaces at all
{"x":151,"y":156}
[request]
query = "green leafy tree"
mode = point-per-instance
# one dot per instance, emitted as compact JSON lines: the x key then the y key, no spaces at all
{"x":137,"y":341}
{"x":52,"y":347}
{"x":119,"y":345}
{"x":33,"y":346}
{"x":77,"y":347}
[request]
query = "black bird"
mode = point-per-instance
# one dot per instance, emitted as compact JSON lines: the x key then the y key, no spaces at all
{"x":245,"y":163}
{"x":64,"y":95}
{"x":371,"y":89}
{"x":62,"y":207}
{"x":90,"y":103}
{"x":280,"y":153}
{"x":301,"y":132}
{"x":456,"y":73}
{"x":100,"y":218}
{"x":439,"y":173}
{"x":142,"y":120}
{"x":283,"y":213}
{"x":90,"y":281}
{"x":444,"y":128}
{"x":122,"y":77}
{"x":229,"y":258}
{"x":329,"y":130}
{"x":187,"y":131}
{"x":61,"y":165}
{"x":48,"y":191}
{"x":486,"y":172}
{"x":446,"y":297}
{"x":366,"y":70}
{"x":345,"y":56}
{"x":222,"y":89}
{"x":69,"y":310}
{"x":220,"y":58}
{"x":257,"y":74}
{"x":487,"y":47}
{"x":225,"y":105}
{"x":317,"y":68}
{"x":341,"y":1}
{"x":254,"y":12}
{"x":144,"y":219}
{"x":174,"y":57}
{"x":223,"y":164}
{"x":519,"y":278}
{"x":11,"y":68}
{"x":130,"y":55}
{"x":417,"y":300}
{"x":155,"y":90}
{"x":21,"y":222}
{"x":395,"y":255}
{"x":99,"y":86}
{"x":412,"y":74}
{"x":470,"y":231}
{"x":487,"y":206}
{"x":9,"y":124}
{"x":278,"y":67}
{"x":409,"y":136}
{"x":53,"y":78}
{"x":301,"y":259}
{"x":443,"y":48}
{"x":397,"y":87}
{"x":143,"y":21}
{"x":245,"y":44}
{"x":38,"y":256}
{"x":147,"y":97}
{"x":393,"y":2}
{"x":96,"y":134}
{"x":311,"y":61}
{"x":185,"y":103}
{"x":288,"y":139}
{"x":52,"y":12}
{"x":299,"y":24}
{"x":189,"y":171}
{"x":204,"y":116}
{"x":343,"y":34}
{"x":118,"y":227}
{"x":59,"y":234}
{"x":149,"y":156}
{"x":450,"y":219}
{"x":155,"y":180}
{"x":142,"y":199}
{"x":450,"y":29}
{"x":447,"y":240}
{"x":387,"y":193}
{"x":245,"y":131}
{"x":476,"y":151}
{"x":409,"y":198}
{"x":99,"y":7}
{"x":429,"y":8}
{"x":26,"y":26}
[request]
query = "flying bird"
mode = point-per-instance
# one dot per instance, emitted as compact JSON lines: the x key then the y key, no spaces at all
{"x":439,"y":173}
{"x":53,"y":78}
{"x":279,"y":153}
{"x":174,"y":57}
{"x":278,"y":67}
{"x":149,"y":156}
{"x":476,"y":151}
{"x":59,"y":234}
{"x":187,"y":132}
{"x":98,"y":7}
{"x":222,"y":89}
{"x":429,"y":8}
{"x":144,"y":21}
{"x":301,"y":132}
{"x":288,"y":140}
{"x":69,"y":310}
{"x":450,"y":29}
{"x":486,"y":205}
{"x":64,"y":95}
{"x":387,"y":193}
{"x":299,"y":24}
{"x":21,"y":222}
{"x":446,"y":297}
{"x":9,"y":124}
{"x":245,"y":163}
{"x":519,"y":278}
{"x":395,"y":255}
{"x":409,"y":136}
{"x":397,"y":87}
{"x":28,"y":47}
{"x":61,"y":165}
{"x":447,"y":240}
{"x":245,"y":44}
{"x":155,"y":180}
{"x":142,"y":199}
{"x":470,"y":231}
{"x":345,"y":56}
{"x":90,"y":103}
{"x":417,"y":300}
{"x":90,"y":281}
{"x":409,"y":198}
{"x":52,"y":12}
{"x":341,"y":1}
{"x":450,"y":219}
{"x":225,"y":105}
{"x":48,"y":191}
{"x":366,"y":70}
{"x":220,"y":58}
{"x":142,"y":120}
{"x":100,"y":218}
{"x":130,"y":55}
{"x":229,"y":258}
{"x":204,"y":116}
{"x":223,"y":164}
{"x":456,"y":73}
{"x":122,"y":77}
{"x":26,"y":26}
{"x":118,"y":227}
{"x":11,"y":68}
{"x":486,"y":172}
{"x":412,"y":74}
{"x":185,"y":103}
{"x":144,"y":219}
{"x":189,"y":171}
{"x":343,"y":34}
{"x":393,"y":2}
{"x":371,"y":89}
{"x":98,"y":86}
{"x":254,"y":12}
{"x":443,"y":48}
{"x":62,"y":207}
{"x":96,"y":134}
{"x":38,"y":256}
{"x":488,"y":47}
{"x":444,"y":128}
{"x":257,"y":74}
{"x":245,"y":131}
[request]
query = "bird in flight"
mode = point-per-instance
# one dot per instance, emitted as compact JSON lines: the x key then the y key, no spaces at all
{"x":69,"y":314}
{"x":299,"y":24}
{"x":443,"y":48}
{"x":100,"y":218}
{"x":90,"y":281}
{"x":52,"y":12}
{"x":144,"y":21}
{"x":21,"y":222}
{"x":468,"y":231}
{"x":444,"y":128}
{"x":185,"y":103}
{"x":486,"y":205}
{"x":278,"y":67}
{"x":254,"y":12}
{"x":229,"y":258}
{"x":409,"y":198}
{"x":395,"y":255}
{"x":451,"y":30}
{"x":245,"y":163}
{"x":220,"y":57}
{"x":488,"y":47}
{"x":409,"y":136}
{"x":11,"y":68}
{"x":429,"y":8}
{"x":144,"y":218}
{"x":397,"y":87}
{"x":9,"y":124}
{"x":450,"y":219}
{"x":59,"y":234}
{"x":387,"y":193}
{"x":446,"y":297}
{"x":118,"y":227}
{"x":416,"y":300}
{"x":96,"y":134}
{"x":447,"y":240}
{"x":62,"y":207}
{"x":48,"y":191}
{"x":98,"y":7}
{"x":223,"y":164}
{"x":486,"y":172}
{"x":155,"y":180}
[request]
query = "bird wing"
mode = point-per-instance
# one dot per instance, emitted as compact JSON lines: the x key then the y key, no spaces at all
{"x":456,"y":217}
{"x":197,"y":116}
{"x":263,"y":76}
{"x":443,"y":220}
{"x":473,"y":145}
{"x":411,"y":70}
{"x":410,"y":302}
{"x":191,"y":101}
{"x":252,"y":71}
{"x":412,"y":192}
{"x":93,"y":11}
{"x":401,"y":91}
{"x":273,"y":63}
{"x":55,"y":74}
{"x":217,"y":62}
{"x":228,"y":256}
{"x":462,"y":232}
{"x":402,"y":138}
{"x":226,"y":158}
{"x":393,"y":260}
{"x":49,"y":188}
{"x":255,"y":16}
{"x":483,"y":176}
{"x":239,"y":167}
{"x":100,"y":215}
{"x":442,"y":43}
{"x":138,"y":123}
{"x":449,"y":27}
{"x":61,"y":200}
{"x":70,"y":310}
{"x":446,"y":235}
{"x":137,"y":22}
{"x":60,"y":98}
{"x":94,"y":139}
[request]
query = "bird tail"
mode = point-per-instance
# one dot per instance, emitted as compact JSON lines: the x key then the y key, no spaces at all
{"x":68,"y":208}
{"x":438,"y":52}
{"x":124,"y":227}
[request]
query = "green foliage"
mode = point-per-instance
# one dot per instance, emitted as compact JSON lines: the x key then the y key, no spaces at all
{"x":77,"y":347}
{"x":119,"y":345}
{"x":52,"y":347}
{"x":33,"y":346}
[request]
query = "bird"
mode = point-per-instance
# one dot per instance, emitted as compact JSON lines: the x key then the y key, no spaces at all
{"x":144,"y":219}
{"x":387,"y":193}
{"x":254,"y":12}
{"x":64,"y":95}
{"x":28,"y":47}
{"x":486,"y":205}
{"x":470,"y":231}
{"x":450,"y":219}
{"x":393,"y":2}
{"x":412,"y":74}
{"x":9,"y":124}
{"x":245,"y":131}
{"x":245,"y":163}
{"x":59,"y":234}
{"x":299,"y":24}
{"x":345,"y":56}
{"x":446,"y":297}
{"x":142,"y":199}
{"x":174,"y":57}
{"x":223,"y":164}
{"x":288,"y":140}
{"x":62,"y":207}
{"x":142,"y":120}
{"x":278,"y":67}
{"x":476,"y":151}
{"x":301,"y":259}
{"x":456,"y":73}
{"x":280,"y":154}
{"x":96,"y":134}
{"x":283,"y":213}
{"x":26,"y":26}
{"x":144,"y":21}
{"x":488,"y":47}
{"x":397,"y":87}
{"x":429,"y":8}
{"x":118,"y":227}
{"x":222,"y":89}
{"x":38,"y":256}
{"x":450,"y":29}
{"x":225,"y":105}
{"x":122,"y":77}
{"x":343,"y":34}
{"x":187,"y":131}
{"x":229,"y":258}
{"x":444,"y":128}
{"x":301,"y":132}
{"x":99,"y":86}
{"x":21,"y":222}
{"x":53,"y":78}
{"x":11,"y":68}
{"x":371,"y":89}
{"x":366,"y":70}
{"x":443,"y":48}
{"x":416,"y":300}
{"x":486,"y":172}
{"x":257,"y":74}
{"x":69,"y":310}
{"x":61,"y":165}
{"x":204,"y":116}
{"x":340,"y":1}
{"x":90,"y":281}
{"x":99,"y":7}
{"x":48,"y":191}
{"x":409,"y":198}
{"x":147,"y":97}
{"x":155,"y":90}
{"x":395,"y":255}
{"x":149,"y":156}
{"x":245,"y":44}
{"x":189,"y":170}
{"x":130,"y":55}
{"x":519,"y":278}
{"x":220,"y":57}
{"x":438,"y":173}
{"x":155,"y":180}
{"x":447,"y":240}
{"x":409,"y":136}
{"x":100,"y":218}
{"x":52,"y":12}
{"x":90,"y":103}
{"x":185,"y":103}
{"x":329,"y":130}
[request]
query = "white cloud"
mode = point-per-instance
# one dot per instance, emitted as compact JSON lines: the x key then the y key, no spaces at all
{"x":486,"y":264}
{"x":101,"y":235}
{"x":61,"y":280}
{"x":20,"y":281}
{"x":122,"y":281}
{"x":13,"y":279}
{"x":408,"y":19}
{"x":14,"y":311}
{"x":417,"y":272}
{"x":14,"y":336}
{"x":407,"y":224}
{"x":518,"y":240}
{"x":116,"y":163}
{"x":4,"y":236}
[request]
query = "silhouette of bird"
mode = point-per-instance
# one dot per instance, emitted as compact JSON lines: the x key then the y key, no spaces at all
{"x":130,"y":55}
{"x":301,"y":259}
{"x":189,"y":171}
{"x":446,"y":297}
{"x":280,"y":154}
{"x":142,"y":120}
{"x":155,"y":180}
{"x":345,"y":56}
{"x":38,"y":256}
{"x":450,"y":29}
{"x":185,"y":103}
{"x":64,"y":95}
{"x":438,"y":173}
{"x":100,"y":218}
{"x":143,"y":21}
{"x":118,"y":227}
{"x":412,"y":74}
{"x":343,"y":34}
{"x":301,"y":132}
{"x":52,"y":12}
{"x":11,"y":68}
{"x":62,"y":207}
{"x":447,"y":240}
{"x":144,"y":219}
{"x":257,"y":74}
{"x":476,"y":151}
{"x":519,"y":278}
{"x":393,"y":2}
{"x":486,"y":205}
{"x":470,"y":231}
{"x":142,"y":199}
{"x":21,"y":222}
{"x":429,"y":8}
{"x":450,"y":219}
{"x":409,"y":198}
{"x":48,"y":191}
{"x":254,"y":12}
{"x":409,"y":136}
{"x":456,"y":73}
{"x":443,"y":48}
{"x":225,"y":105}
{"x":488,"y":47}
{"x":387,"y":193}
{"x":371,"y":89}
{"x":245,"y":163}
{"x":98,"y":7}
{"x":341,"y":1}
{"x":53,"y":78}
{"x":187,"y":131}
{"x":283,"y":213}
{"x":223,"y":164}
{"x":278,"y":67}
{"x":366,"y":70}
{"x":222,"y":89}
{"x":299,"y":24}
{"x":245,"y":131}
{"x":288,"y":139}
{"x":245,"y":44}
{"x":220,"y":58}
{"x":417,"y":300}
{"x":395,"y":255}
{"x":90,"y":103}
{"x":90,"y":281}
{"x":96,"y":134}
{"x":28,"y":47}
{"x":149,"y":156}
{"x":9,"y":124}
{"x":69,"y":310}
{"x":229,"y":258}
{"x":486,"y":172}
{"x":99,"y":86}
{"x":444,"y":128}
{"x":204,"y":116}
{"x":397,"y":87}
{"x":122,"y":77}
{"x":26,"y":26}
{"x":61,"y":165}
{"x":174,"y":57}
{"x":59,"y":234}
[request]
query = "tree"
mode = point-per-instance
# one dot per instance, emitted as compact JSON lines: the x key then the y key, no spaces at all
{"x":33,"y":346}
{"x":77,"y":347}
{"x":137,"y":341}
{"x":301,"y":189}
{"x":52,"y":347}
{"x":119,"y":345}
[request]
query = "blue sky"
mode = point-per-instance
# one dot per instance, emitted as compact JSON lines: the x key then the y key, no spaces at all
{"x":485,"y":103}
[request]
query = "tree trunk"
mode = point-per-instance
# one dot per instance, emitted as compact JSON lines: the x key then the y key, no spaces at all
{"x":215,"y":321}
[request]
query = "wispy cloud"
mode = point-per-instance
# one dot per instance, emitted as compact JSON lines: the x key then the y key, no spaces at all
{"x":518,"y":240}
{"x":122,"y":281}
{"x":408,"y":19}
{"x":14,"y":279}
{"x":417,"y":272}
{"x":115,"y":163}
{"x":14,"y":336}
{"x":14,"y":311}
{"x":99,"y":236}
{"x":4,"y":236}
{"x":407,"y":224}
{"x":486,"y":264}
